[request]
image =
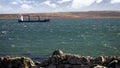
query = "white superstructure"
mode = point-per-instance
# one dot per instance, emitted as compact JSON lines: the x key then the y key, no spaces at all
{"x":21,"y":18}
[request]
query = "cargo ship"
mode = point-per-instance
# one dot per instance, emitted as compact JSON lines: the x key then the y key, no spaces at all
{"x":33,"y":19}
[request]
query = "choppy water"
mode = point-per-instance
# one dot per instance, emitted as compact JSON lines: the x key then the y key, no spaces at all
{"x":92,"y":37}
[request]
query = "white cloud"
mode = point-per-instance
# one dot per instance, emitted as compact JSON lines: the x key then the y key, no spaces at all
{"x":115,"y":1}
{"x":63,"y":1}
{"x":19,"y":1}
{"x":14,"y":3}
{"x":27,"y":2}
{"x":76,"y":4}
{"x":98,"y":1}
{"x":53,"y":5}
{"x":26,"y":7}
{"x":23,"y":1}
{"x":5,"y":9}
{"x":0,"y":7}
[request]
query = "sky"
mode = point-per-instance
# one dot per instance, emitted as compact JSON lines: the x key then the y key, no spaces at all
{"x":46,"y":6}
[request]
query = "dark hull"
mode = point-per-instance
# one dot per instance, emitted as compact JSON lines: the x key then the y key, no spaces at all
{"x":45,"y":20}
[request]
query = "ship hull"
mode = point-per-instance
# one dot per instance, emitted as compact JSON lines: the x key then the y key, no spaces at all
{"x":45,"y":20}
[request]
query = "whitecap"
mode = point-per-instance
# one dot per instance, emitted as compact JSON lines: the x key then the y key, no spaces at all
{"x":114,"y":48}
{"x":118,"y":33}
{"x":59,"y":36}
{"x":12,"y":45}
{"x":25,"y":26}
{"x":4,"y":32}
{"x":63,"y":42}
{"x":108,"y":46}
{"x":51,"y":30}
{"x":71,"y":39}
{"x":10,"y":38}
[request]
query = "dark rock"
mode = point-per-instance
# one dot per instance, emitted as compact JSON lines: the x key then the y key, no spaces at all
{"x":76,"y":59}
{"x":57,"y":56}
{"x":76,"y":66}
{"x":112,"y":61}
{"x":17,"y":62}
{"x":37,"y":63}
{"x":45,"y":63}
{"x":58,"y":52}
{"x":61,"y":60}
{"x":51,"y":66}
{"x":60,"y":66}
{"x":99,"y":60}
{"x":114,"y":64}
{"x":98,"y":66}
{"x":68,"y":66}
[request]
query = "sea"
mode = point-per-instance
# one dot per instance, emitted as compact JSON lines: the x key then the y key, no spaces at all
{"x":84,"y":36}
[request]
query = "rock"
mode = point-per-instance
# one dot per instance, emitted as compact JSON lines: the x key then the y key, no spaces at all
{"x":37,"y":63}
{"x":76,"y":59}
{"x":99,"y":60}
{"x":112,"y":61}
{"x":17,"y":62}
{"x":84,"y":66}
{"x":57,"y":57}
{"x":76,"y":66}
{"x":51,"y":66}
{"x":58,"y":52}
{"x":68,"y":66}
{"x":45,"y":63}
{"x":60,"y":66}
{"x":61,"y":60}
{"x":98,"y":66}
{"x":114,"y":64}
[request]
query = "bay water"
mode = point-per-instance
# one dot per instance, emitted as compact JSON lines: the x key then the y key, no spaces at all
{"x":88,"y":37}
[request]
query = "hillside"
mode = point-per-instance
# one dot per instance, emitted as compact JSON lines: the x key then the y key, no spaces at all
{"x":90,"y":14}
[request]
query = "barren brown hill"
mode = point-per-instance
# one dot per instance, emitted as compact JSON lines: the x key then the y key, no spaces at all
{"x":90,"y":14}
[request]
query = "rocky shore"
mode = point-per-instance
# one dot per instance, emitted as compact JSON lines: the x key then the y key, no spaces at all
{"x":61,"y":60}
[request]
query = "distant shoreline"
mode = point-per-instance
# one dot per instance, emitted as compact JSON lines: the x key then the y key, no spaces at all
{"x":89,"y":14}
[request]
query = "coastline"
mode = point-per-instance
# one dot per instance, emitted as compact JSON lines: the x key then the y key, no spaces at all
{"x":89,"y":14}
{"x":58,"y":59}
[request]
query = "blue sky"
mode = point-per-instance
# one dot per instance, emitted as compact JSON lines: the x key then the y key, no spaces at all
{"x":43,"y":6}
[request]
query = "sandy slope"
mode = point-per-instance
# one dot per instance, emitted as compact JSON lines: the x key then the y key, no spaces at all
{"x":90,"y":14}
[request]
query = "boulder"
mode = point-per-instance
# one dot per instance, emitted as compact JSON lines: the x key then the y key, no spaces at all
{"x":51,"y":66}
{"x":58,"y":52}
{"x":57,"y":56}
{"x":99,"y":60}
{"x":99,"y":66}
{"x":76,"y":59}
{"x":17,"y":62}
{"x":61,"y":60}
